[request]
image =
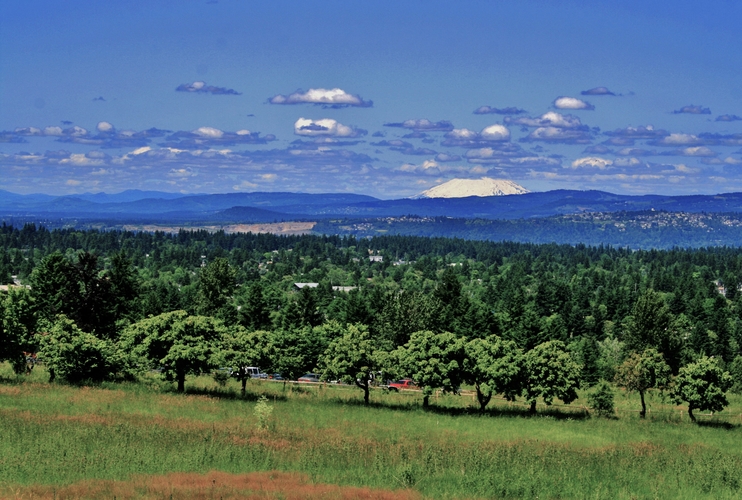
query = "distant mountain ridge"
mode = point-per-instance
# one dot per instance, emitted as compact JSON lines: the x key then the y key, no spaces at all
{"x":241,"y":207}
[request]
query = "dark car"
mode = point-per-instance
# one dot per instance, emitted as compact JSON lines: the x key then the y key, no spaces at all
{"x":309,"y":377}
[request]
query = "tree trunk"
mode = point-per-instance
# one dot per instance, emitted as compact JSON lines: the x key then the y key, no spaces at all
{"x":690,"y":413}
{"x":483,"y":400}
{"x":52,"y":375}
{"x":426,"y":401}
{"x":533,"y":407}
{"x":244,"y":386}
{"x":181,"y":381}
{"x":643,"y":413}
{"x":365,"y":390}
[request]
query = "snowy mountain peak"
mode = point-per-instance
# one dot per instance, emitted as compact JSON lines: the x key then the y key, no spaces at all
{"x":461,"y":188}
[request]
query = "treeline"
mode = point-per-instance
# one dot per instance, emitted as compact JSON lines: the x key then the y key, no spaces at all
{"x":600,"y":304}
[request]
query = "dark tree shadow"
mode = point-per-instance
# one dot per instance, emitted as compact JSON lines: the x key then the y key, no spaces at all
{"x":717,"y":424}
{"x":496,"y":411}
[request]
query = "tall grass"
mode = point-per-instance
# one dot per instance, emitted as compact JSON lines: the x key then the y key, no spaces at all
{"x":57,"y":435}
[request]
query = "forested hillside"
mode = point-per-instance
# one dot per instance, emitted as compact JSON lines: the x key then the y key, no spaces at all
{"x":602,"y":303}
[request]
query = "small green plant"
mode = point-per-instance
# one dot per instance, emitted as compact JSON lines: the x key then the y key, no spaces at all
{"x":601,"y":400}
{"x":221,"y":377}
{"x":262,"y":413}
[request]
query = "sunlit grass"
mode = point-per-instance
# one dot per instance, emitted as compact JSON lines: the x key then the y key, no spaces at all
{"x":53,"y":434}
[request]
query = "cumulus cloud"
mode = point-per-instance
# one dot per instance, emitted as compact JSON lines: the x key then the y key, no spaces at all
{"x":678,"y":140}
{"x":424,"y":125}
{"x":550,"y":119}
{"x":728,"y":118}
{"x":510,"y":157}
{"x":335,"y":98}
{"x":559,"y":136}
{"x":443,"y":157}
{"x":326,"y":126}
{"x":696,"y":151}
{"x":463,"y":137}
{"x":641,"y":132}
{"x":104,"y":127}
{"x":592,"y":162}
{"x":597,"y":91}
{"x":572,"y":103}
{"x":692,"y":109}
{"x":207,"y":137}
{"x":202,"y":88}
{"x":487,"y":110}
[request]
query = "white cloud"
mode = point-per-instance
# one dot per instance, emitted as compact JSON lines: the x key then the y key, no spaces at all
{"x":592,"y":162}
{"x":210,"y":132}
{"x":326,"y":126}
{"x":495,"y":133}
{"x":104,"y":127}
{"x":462,"y":133}
{"x":53,"y":131}
{"x":81,"y":160}
{"x":702,"y":151}
{"x":550,"y":119}
{"x":679,"y":140}
{"x":572,"y":103}
{"x":482,"y":153}
{"x":627,"y":162}
{"x":76,"y":131}
{"x":332,"y":97}
{"x":561,"y":135}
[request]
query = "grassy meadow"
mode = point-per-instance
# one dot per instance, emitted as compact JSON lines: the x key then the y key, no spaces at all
{"x":143,"y":440}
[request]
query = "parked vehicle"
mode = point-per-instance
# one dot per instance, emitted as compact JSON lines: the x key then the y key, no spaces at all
{"x":401,"y":385}
{"x":249,"y":372}
{"x":275,"y":376}
{"x":309,"y":377}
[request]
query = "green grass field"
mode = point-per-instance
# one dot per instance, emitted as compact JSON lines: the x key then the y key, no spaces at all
{"x":56,"y":435}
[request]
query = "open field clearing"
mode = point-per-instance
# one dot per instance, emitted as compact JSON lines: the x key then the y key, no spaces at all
{"x":284,"y":228}
{"x":142,"y":440}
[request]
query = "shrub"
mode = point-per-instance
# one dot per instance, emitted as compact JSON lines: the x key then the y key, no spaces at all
{"x":601,"y":400}
{"x":262,"y":413}
{"x":76,"y":356}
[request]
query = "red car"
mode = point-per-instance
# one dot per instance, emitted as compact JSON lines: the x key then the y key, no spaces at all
{"x":401,"y":385}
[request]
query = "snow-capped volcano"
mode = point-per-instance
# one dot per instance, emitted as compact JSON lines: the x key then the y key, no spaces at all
{"x":461,"y":188}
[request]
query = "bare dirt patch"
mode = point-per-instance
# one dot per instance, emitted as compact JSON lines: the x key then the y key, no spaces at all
{"x":254,"y":485}
{"x":273,"y":228}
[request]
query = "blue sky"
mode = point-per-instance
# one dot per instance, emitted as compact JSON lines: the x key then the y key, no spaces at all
{"x":376,"y":97}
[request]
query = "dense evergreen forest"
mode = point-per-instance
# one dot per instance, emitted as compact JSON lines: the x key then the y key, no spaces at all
{"x":601,"y":303}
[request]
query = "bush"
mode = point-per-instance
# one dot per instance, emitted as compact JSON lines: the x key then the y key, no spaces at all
{"x":262,"y":413}
{"x":601,"y":400}
{"x":76,"y":356}
{"x":735,"y":370}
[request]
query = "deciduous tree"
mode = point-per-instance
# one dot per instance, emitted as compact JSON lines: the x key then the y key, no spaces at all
{"x":493,"y":366}
{"x":550,"y":373}
{"x":702,"y":385}
{"x":434,"y":361}
{"x":177,"y":343}
{"x":352,"y":358}
{"x":643,"y":371}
